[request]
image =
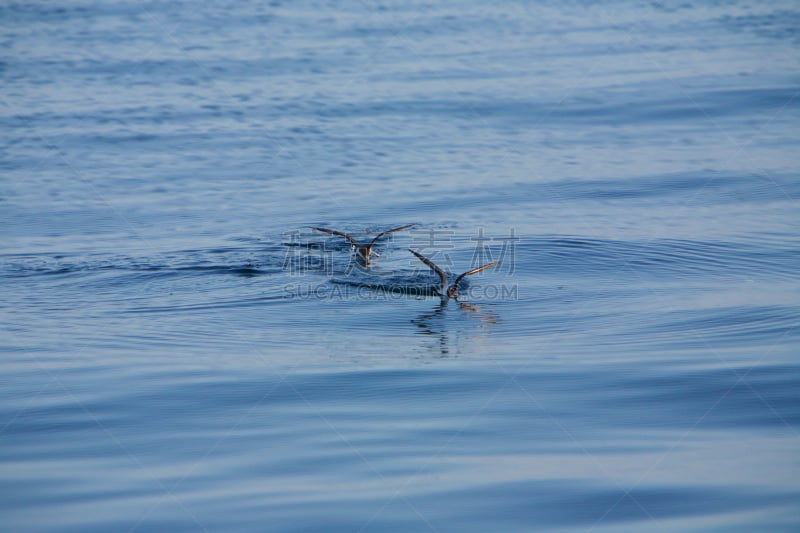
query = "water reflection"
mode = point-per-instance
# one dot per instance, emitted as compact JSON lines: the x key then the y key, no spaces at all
{"x":444,"y":326}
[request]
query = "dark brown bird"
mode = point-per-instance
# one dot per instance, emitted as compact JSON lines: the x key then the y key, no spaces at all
{"x":364,"y":250}
{"x":446,"y":292}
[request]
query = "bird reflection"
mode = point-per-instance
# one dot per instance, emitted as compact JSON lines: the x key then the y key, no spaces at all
{"x":430,"y":323}
{"x":435,"y":325}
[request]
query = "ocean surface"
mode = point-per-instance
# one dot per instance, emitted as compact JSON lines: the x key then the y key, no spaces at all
{"x":181,"y":351}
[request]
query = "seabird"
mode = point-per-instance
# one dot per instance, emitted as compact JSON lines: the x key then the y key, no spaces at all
{"x":365,"y":250}
{"x":444,"y":291}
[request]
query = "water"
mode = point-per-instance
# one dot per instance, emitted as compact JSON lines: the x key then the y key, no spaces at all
{"x":181,"y":352}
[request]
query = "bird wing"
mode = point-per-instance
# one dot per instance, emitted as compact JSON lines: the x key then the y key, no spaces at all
{"x":434,"y":267}
{"x":340,"y":233}
{"x":388,"y":231}
{"x":474,"y":271}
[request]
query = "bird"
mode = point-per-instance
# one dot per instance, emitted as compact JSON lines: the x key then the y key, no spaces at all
{"x":364,"y":250}
{"x":446,"y":291}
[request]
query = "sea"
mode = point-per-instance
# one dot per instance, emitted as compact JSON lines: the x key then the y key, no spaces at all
{"x":180,"y":349}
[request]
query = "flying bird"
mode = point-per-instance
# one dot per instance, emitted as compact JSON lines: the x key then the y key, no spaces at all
{"x":364,"y":250}
{"x":446,"y":291}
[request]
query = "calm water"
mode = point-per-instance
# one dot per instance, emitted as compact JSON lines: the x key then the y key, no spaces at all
{"x":179,"y":351}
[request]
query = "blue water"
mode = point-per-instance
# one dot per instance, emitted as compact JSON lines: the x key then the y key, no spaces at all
{"x":179,"y":351}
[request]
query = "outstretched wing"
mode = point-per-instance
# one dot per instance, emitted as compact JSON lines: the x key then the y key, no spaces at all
{"x":388,"y":231}
{"x":432,"y":265}
{"x":340,"y":233}
{"x":474,"y":271}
